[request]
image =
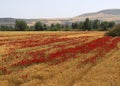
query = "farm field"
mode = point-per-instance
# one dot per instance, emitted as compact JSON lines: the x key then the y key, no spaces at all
{"x":59,"y":59}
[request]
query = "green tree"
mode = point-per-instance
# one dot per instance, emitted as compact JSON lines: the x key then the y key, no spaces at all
{"x":56,"y":27}
{"x":81,"y":26}
{"x":39,"y":26}
{"x":20,"y":25}
{"x":96,"y":24}
{"x":45,"y":27}
{"x":53,"y":27}
{"x":87,"y":24}
{"x":104,"y":25}
{"x":75,"y":25}
{"x":111,"y":24}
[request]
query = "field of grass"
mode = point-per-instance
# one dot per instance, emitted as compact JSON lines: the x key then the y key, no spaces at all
{"x":59,"y":59}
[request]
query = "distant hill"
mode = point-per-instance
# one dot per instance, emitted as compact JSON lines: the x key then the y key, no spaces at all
{"x":104,"y":15}
{"x":8,"y":21}
{"x":111,"y":11}
{"x":108,"y":11}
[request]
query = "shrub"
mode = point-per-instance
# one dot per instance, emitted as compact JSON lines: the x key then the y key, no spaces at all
{"x":114,"y":32}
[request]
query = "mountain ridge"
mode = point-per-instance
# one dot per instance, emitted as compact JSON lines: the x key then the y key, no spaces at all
{"x":104,"y":15}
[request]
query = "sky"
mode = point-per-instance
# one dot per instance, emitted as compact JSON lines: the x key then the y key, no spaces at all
{"x":53,"y":8}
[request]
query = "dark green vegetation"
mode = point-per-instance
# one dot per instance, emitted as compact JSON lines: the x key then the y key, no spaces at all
{"x":114,"y":32}
{"x":90,"y":25}
{"x":93,"y":25}
{"x":20,"y":25}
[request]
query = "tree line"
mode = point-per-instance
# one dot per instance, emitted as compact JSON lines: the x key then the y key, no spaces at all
{"x":93,"y":25}
{"x":88,"y":24}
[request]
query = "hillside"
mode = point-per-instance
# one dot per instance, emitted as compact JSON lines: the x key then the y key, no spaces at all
{"x":105,"y":15}
{"x":111,"y":11}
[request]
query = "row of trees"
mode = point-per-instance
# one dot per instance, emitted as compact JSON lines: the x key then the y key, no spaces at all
{"x":21,"y":25}
{"x":6,"y":28}
{"x":93,"y":25}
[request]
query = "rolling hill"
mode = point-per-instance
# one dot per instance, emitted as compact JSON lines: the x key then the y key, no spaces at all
{"x":104,"y":15}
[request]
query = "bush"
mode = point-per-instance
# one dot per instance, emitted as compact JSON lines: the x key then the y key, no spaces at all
{"x":114,"y":32}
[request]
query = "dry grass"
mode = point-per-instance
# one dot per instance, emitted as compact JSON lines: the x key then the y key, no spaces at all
{"x":105,"y":72}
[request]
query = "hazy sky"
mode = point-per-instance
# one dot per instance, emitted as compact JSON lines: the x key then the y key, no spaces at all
{"x":53,"y":8}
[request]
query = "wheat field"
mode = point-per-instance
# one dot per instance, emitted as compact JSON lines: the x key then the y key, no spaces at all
{"x":59,"y":59}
